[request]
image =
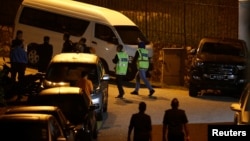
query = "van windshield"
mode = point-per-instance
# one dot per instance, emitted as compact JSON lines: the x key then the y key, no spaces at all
{"x":129,"y":34}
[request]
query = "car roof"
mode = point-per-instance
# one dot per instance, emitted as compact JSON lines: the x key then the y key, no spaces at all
{"x":75,"y":58}
{"x":26,"y":116}
{"x":61,"y":90}
{"x":80,"y":9}
{"x":31,"y":109}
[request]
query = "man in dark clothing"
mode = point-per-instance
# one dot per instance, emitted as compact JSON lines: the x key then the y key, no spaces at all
{"x":121,"y":61}
{"x":68,"y":44}
{"x":141,"y":123}
{"x":18,"y":60}
{"x":174,"y":123}
{"x":45,"y":52}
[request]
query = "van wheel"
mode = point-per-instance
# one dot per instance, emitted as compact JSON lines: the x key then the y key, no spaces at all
{"x":32,"y":53}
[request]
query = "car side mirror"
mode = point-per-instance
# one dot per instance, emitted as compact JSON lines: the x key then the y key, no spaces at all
{"x":235,"y":107}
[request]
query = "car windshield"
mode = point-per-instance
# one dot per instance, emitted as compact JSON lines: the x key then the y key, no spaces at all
{"x":129,"y":34}
{"x":73,"y":106}
{"x":71,"y":72}
{"x":223,"y":49}
{"x":24,"y":131}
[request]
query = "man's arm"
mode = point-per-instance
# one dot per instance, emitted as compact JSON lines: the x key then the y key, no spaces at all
{"x":135,"y":57}
{"x":186,"y":132}
{"x":115,"y":59}
{"x":130,"y":128}
{"x":164,"y":132}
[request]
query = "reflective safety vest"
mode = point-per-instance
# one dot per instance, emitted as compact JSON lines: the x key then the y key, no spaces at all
{"x":122,"y":64}
{"x":142,"y":61}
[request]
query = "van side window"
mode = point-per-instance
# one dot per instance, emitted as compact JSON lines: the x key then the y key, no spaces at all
{"x":104,"y":33}
{"x":52,"y":21}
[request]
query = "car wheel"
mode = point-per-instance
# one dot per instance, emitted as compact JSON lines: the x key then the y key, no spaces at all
{"x":99,"y":116}
{"x":193,"y":91}
{"x":95,"y":132}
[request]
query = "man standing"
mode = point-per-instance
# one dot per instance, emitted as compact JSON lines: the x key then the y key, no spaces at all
{"x":18,"y":60}
{"x":45,"y":52}
{"x":141,"y":123}
{"x":68,"y":44}
{"x":121,"y":61}
{"x":142,"y":62}
{"x":174,"y":123}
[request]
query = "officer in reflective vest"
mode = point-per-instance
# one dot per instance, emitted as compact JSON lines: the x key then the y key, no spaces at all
{"x":121,"y":61}
{"x":142,"y":62}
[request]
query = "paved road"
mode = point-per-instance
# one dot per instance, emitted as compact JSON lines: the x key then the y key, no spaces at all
{"x":200,"y":111}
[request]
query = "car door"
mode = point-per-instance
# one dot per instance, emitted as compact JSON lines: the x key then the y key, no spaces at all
{"x":103,"y":85}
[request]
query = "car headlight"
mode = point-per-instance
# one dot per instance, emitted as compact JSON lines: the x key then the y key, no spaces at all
{"x":198,"y":63}
{"x":96,"y":100}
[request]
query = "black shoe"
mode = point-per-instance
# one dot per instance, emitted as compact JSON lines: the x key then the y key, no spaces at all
{"x":151,"y":92}
{"x":119,"y":96}
{"x":134,"y":93}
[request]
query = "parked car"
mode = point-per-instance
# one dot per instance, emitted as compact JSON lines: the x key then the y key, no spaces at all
{"x":69,"y":130}
{"x":65,"y":70}
{"x":30,"y":127}
{"x":219,"y":64}
{"x":242,"y":108}
{"x":75,"y":105}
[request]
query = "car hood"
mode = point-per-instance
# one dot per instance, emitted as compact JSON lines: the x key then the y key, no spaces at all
{"x":221,"y":58}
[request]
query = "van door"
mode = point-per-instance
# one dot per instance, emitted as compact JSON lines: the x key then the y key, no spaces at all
{"x":104,"y":43}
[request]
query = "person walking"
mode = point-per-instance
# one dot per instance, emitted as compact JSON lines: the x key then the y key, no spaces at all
{"x":141,"y":124}
{"x":68,"y":44}
{"x":45,"y":52}
{"x":175,"y":124}
{"x":142,"y":62}
{"x":121,"y":61}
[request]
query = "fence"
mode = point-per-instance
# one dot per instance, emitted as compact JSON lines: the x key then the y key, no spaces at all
{"x":179,"y":22}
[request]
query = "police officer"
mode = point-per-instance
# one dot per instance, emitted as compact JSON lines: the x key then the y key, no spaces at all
{"x":121,"y":61}
{"x":142,"y":62}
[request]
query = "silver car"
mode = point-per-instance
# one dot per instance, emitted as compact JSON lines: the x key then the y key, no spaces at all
{"x":242,"y":108}
{"x":65,"y":70}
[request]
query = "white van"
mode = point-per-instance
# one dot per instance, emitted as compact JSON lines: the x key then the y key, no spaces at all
{"x":103,"y":28}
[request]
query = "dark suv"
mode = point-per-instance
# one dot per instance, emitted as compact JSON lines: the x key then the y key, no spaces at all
{"x":219,"y":64}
